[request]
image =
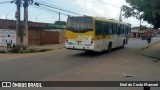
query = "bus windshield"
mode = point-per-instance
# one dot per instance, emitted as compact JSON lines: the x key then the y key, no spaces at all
{"x":80,"y":23}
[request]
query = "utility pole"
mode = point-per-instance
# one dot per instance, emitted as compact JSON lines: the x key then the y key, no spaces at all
{"x":140,"y":23}
{"x":59,"y":20}
{"x":6,"y":16}
{"x":18,"y":31}
{"x":6,"y":22}
{"x":120,"y":16}
{"x":36,"y":19}
{"x":25,"y":43}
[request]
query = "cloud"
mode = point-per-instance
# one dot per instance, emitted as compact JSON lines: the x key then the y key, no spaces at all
{"x":109,"y":9}
{"x":103,"y":8}
{"x":5,"y":16}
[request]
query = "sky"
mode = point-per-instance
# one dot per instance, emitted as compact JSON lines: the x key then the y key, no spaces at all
{"x":109,"y":9}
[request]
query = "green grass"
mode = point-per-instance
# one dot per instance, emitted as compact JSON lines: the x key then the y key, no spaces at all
{"x":17,"y":50}
{"x":44,"y":50}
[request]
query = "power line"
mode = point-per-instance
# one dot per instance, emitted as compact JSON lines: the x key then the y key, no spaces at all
{"x":48,"y":3}
{"x":36,"y":3}
{"x":59,"y":3}
{"x":66,"y":6}
{"x":50,"y":10}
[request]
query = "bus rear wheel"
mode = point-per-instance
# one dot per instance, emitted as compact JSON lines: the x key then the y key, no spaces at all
{"x":110,"y":47}
{"x":123,"y":44}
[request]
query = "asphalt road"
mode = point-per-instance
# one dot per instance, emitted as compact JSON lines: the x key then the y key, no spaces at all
{"x":69,"y":65}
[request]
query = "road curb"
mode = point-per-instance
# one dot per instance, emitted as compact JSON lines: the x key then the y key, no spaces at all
{"x":140,"y":51}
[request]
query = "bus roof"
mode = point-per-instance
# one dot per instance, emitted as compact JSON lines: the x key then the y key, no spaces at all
{"x":109,"y":20}
{"x":105,"y":20}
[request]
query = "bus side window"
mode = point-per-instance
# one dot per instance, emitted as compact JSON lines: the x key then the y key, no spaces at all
{"x":118,"y":29}
{"x":122,"y":29}
{"x":99,"y":28}
{"x":109,"y":29}
{"x":105,"y":30}
{"x":125,"y":29}
{"x":114,"y":28}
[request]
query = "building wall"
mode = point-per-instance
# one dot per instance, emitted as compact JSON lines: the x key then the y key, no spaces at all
{"x":158,"y":31}
{"x":37,"y":35}
{"x":41,"y":37}
{"x":135,"y":35}
{"x":30,"y":40}
{"x":34,"y":36}
{"x":49,"y":37}
{"x":62,"y":36}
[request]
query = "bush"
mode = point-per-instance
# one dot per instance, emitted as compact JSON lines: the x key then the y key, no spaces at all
{"x":2,"y":51}
{"x":32,"y":50}
{"x":15,"y":49}
{"x":44,"y":50}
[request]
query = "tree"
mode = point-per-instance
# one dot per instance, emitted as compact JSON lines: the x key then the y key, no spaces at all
{"x":148,"y":10}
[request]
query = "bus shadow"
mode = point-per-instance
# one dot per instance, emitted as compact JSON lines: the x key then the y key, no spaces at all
{"x":96,"y":54}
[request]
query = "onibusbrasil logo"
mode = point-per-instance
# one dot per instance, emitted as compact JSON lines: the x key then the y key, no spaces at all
{"x":20,"y":84}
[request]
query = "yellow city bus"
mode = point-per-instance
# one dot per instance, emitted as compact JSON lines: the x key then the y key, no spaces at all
{"x":95,"y":33}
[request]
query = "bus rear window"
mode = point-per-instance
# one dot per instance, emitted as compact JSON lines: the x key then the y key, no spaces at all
{"x":80,"y":23}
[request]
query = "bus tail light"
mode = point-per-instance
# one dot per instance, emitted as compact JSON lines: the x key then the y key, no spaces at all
{"x":92,"y":41}
{"x":66,"y":39}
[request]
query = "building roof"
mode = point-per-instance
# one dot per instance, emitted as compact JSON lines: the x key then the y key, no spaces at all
{"x":5,"y":23}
